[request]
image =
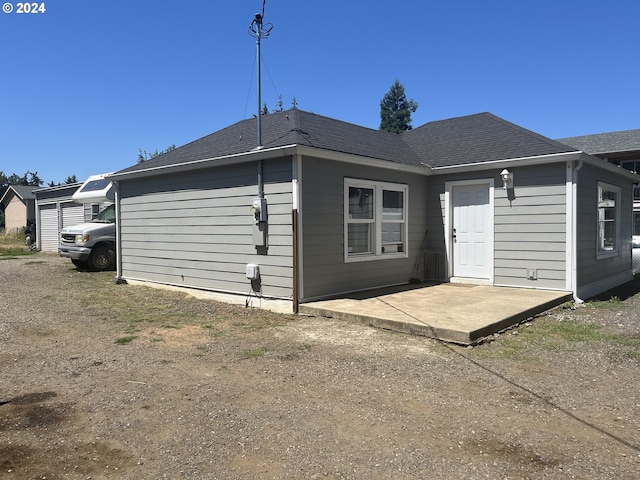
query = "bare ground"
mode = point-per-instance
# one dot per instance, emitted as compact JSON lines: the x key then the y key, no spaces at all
{"x":212,"y":391}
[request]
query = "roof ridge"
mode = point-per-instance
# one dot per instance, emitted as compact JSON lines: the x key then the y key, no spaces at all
{"x":526,"y":131}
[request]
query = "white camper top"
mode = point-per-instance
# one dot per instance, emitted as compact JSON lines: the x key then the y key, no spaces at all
{"x":95,"y":189}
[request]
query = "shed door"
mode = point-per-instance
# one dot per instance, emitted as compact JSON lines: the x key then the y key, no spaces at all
{"x":72,"y":214}
{"x":471,"y":235}
{"x":48,"y":228}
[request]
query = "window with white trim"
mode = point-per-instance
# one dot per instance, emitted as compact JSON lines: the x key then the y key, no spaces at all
{"x":375,"y":220}
{"x":608,"y":220}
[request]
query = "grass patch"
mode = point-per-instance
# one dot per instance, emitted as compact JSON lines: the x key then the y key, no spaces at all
{"x":12,"y":246}
{"x":255,"y":353}
{"x":136,"y":310}
{"x":125,"y":340}
{"x":552,"y":335}
{"x":611,"y":302}
{"x":15,"y":252}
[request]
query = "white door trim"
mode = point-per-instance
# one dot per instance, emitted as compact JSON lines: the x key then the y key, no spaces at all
{"x":448,"y":226}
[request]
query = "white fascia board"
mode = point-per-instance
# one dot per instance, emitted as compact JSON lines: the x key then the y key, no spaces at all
{"x":6,"y":194}
{"x":58,"y":187}
{"x":539,"y":160}
{"x":256,"y":154}
{"x":600,"y":163}
{"x":268,"y":153}
{"x":364,"y":161}
{"x":509,"y":162}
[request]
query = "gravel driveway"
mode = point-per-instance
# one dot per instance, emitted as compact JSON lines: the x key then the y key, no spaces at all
{"x":114,"y":381}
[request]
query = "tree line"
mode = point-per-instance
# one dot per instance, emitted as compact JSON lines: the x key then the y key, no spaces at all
{"x":29,"y":179}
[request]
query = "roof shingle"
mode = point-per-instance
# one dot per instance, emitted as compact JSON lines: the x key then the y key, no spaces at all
{"x":464,"y":140}
{"x":601,"y":143}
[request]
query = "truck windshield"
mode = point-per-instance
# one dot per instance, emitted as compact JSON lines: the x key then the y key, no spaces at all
{"x":108,"y":215}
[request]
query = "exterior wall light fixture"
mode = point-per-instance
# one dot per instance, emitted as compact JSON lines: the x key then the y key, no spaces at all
{"x":507,"y":178}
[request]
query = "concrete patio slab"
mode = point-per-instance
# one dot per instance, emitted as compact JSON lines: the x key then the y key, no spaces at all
{"x":453,"y":312}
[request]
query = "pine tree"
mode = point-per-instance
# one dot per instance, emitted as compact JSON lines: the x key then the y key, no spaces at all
{"x":396,"y":110}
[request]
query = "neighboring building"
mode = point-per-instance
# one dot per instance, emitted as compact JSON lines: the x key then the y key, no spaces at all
{"x":623,"y":149}
{"x":19,"y":204}
{"x":325,"y":208}
{"x":55,"y":210}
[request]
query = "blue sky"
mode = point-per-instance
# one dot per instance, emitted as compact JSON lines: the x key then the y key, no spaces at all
{"x":87,"y":83}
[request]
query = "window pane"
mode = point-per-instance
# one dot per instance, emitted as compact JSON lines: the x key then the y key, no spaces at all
{"x":607,"y":232}
{"x":607,"y":213}
{"x":392,"y":205}
{"x":360,"y":238}
{"x":636,"y":223}
{"x":360,"y":203}
{"x":392,"y":237}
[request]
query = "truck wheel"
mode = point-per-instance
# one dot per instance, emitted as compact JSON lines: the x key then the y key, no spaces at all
{"x":102,"y":258}
{"x":80,"y":264}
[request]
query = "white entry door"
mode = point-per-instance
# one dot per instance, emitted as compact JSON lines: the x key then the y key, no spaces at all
{"x":471,"y":234}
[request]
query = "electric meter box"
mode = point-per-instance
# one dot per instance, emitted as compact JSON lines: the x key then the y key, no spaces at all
{"x":253,"y":271}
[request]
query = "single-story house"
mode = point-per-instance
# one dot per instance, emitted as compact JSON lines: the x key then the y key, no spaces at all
{"x":323,"y":208}
{"x":19,"y":205}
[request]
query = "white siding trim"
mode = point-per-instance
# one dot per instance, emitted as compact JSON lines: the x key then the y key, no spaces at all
{"x":296,"y":166}
{"x":571,"y":186}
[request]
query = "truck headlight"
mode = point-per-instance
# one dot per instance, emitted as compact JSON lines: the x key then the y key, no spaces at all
{"x":82,"y":238}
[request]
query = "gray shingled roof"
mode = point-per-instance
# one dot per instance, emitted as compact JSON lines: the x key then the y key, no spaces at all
{"x":472,"y":139}
{"x":601,"y":143}
{"x":482,"y":137}
{"x":23,"y":191}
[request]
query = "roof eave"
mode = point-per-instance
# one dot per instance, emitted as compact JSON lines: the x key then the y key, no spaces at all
{"x":269,"y":153}
{"x":15,"y":192}
{"x":600,"y":163}
{"x":539,"y":160}
{"x":610,"y":153}
{"x":236,"y":158}
{"x":422,"y":169}
{"x":509,"y":162}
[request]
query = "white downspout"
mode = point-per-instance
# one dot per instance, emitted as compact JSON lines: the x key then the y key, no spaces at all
{"x":118,"y":278}
{"x":572,"y":228}
{"x":297,"y":207}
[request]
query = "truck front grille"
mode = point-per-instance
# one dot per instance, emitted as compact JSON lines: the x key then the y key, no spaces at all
{"x":68,"y":238}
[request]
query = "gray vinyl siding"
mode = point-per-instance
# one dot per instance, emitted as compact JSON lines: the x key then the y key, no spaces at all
{"x":322,"y":211}
{"x":590,"y":268}
{"x":530,"y":230}
{"x":195,"y":229}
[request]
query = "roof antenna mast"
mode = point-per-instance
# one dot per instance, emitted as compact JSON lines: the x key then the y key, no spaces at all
{"x":259,"y":30}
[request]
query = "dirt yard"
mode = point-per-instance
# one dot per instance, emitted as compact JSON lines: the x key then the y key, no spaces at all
{"x":126,"y":382}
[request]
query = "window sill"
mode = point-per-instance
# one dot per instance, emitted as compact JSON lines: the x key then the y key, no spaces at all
{"x":371,"y":258}
{"x":605,"y":254}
